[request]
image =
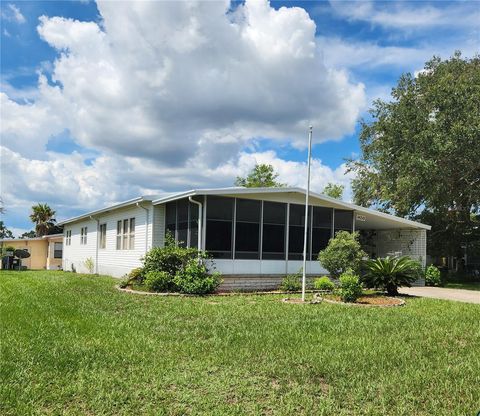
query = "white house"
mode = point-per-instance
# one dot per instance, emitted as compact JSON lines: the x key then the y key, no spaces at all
{"x":254,"y":234}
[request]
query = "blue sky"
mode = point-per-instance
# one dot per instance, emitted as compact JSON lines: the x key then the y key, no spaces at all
{"x":101,"y":103}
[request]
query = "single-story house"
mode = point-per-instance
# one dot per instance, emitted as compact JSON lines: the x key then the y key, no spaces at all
{"x":255,"y":235}
{"x":45,"y":252}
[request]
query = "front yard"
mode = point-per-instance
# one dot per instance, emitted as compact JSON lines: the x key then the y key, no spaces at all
{"x":72,"y":344}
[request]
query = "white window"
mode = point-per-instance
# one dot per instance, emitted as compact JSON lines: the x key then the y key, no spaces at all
{"x":57,"y":250}
{"x":103,"y":236}
{"x":83,"y":235}
{"x":68,"y":238}
{"x":126,"y":234}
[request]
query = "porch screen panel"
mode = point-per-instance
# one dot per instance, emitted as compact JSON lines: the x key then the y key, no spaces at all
{"x":274,"y":220}
{"x":171,"y":218}
{"x":247,"y":231}
{"x":182,"y":222}
{"x":321,"y":229}
{"x":296,"y":232}
{"x":219,"y":230}
{"x":343,"y":220}
{"x":193,"y":230}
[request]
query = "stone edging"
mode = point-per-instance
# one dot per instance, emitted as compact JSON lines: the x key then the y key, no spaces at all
{"x":401,"y":303}
{"x":232,"y":293}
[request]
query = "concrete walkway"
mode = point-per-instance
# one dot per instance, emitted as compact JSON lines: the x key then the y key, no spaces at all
{"x":460,"y":295}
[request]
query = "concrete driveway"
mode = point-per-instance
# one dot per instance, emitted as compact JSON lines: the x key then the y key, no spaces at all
{"x":460,"y":295}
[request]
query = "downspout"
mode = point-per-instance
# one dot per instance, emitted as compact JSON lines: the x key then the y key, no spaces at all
{"x":200,"y":216}
{"x":96,"y":245}
{"x":147,"y":220}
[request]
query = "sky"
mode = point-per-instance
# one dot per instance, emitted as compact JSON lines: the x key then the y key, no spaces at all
{"x":104,"y":101}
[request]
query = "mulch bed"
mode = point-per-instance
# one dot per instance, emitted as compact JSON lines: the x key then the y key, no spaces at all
{"x":368,"y":300}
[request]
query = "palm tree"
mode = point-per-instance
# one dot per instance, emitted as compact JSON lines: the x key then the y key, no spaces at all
{"x":43,"y":217}
{"x":390,"y":273}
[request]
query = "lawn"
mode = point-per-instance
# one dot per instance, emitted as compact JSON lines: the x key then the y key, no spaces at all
{"x":465,"y":285}
{"x":73,"y":344}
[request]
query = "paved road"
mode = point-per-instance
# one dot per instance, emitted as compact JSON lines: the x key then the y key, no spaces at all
{"x":460,"y":295}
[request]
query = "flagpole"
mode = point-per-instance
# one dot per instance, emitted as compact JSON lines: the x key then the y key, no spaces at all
{"x":307,"y":194}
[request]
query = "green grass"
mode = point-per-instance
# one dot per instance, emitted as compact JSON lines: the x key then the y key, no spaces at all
{"x":72,"y":344}
{"x":466,"y":285}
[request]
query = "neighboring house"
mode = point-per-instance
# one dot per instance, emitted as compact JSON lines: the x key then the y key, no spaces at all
{"x":45,"y":252}
{"x":254,"y":234}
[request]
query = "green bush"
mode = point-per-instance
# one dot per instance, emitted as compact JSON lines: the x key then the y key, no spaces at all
{"x":432,"y":276}
{"x":291,"y":283}
{"x":342,"y":253}
{"x":323,"y":283}
{"x":170,"y":259}
{"x":124,"y":283}
{"x":156,"y":281}
{"x":136,"y":276}
{"x":390,"y":273}
{"x":350,"y":287}
{"x":195,"y":279}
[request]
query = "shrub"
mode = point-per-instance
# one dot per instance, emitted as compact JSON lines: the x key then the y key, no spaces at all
{"x":170,"y":259}
{"x":195,"y":279}
{"x":124,"y":283}
{"x":89,"y":264}
{"x":159,"y":282}
{"x":323,"y":283}
{"x":342,"y":253}
{"x":432,"y":276}
{"x":291,"y":283}
{"x":390,"y":273}
{"x":136,"y":276}
{"x":350,"y":287}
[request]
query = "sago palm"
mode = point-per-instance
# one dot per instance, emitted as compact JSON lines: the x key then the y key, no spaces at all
{"x":43,"y":217}
{"x":390,"y":273}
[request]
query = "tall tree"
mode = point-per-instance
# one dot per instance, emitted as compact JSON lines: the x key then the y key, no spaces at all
{"x":421,"y":152}
{"x":333,"y":190}
{"x":261,"y":176}
{"x":4,"y":231}
{"x":43,"y":217}
{"x":28,"y":234}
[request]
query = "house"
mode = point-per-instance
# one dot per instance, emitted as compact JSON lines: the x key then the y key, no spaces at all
{"x":255,"y":235}
{"x":45,"y":252}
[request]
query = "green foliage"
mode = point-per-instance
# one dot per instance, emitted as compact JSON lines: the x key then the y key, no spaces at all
{"x":157,"y":281}
{"x":333,"y":190}
{"x":323,"y":283}
{"x":390,"y":273}
{"x":28,"y":234}
{"x":170,"y":259}
{"x":89,"y":264}
{"x":6,"y":249}
{"x":261,"y":176}
{"x":43,"y":217}
{"x":292,"y":282}
{"x":136,"y":275}
{"x":350,"y":287}
{"x":421,"y":150}
{"x":195,"y":279}
{"x":5,"y":232}
{"x":343,"y":252}
{"x":433,"y":276}
{"x":124,"y":283}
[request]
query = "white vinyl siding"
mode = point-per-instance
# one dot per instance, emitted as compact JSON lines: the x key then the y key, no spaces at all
{"x":110,"y":260}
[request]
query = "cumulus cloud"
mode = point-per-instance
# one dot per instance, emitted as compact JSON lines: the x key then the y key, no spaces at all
{"x":170,"y":94}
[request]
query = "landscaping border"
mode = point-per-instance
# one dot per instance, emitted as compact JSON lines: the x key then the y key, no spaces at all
{"x":401,"y":302}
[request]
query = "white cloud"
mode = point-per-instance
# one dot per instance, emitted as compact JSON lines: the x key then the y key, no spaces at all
{"x":169,"y":93}
{"x":13,"y":14}
{"x":410,"y":15}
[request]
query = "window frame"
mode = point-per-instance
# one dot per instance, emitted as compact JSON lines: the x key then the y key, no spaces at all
{"x":83,"y":235}
{"x":102,"y":239}
{"x":57,"y":250}
{"x":125,"y":238}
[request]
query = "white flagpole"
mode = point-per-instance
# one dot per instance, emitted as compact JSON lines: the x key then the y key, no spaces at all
{"x":307,"y":194}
